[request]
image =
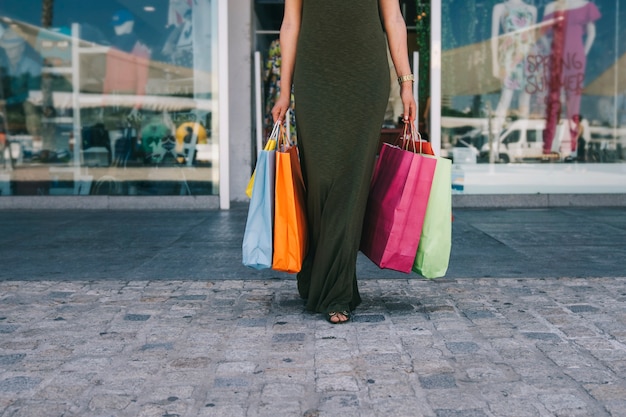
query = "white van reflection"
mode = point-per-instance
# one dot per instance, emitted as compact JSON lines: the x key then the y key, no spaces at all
{"x":523,"y":141}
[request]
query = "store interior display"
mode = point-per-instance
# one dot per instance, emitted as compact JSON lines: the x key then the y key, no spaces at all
{"x":135,"y":101}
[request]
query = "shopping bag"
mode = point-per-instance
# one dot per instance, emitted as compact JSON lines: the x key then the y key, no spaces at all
{"x":396,"y":207}
{"x":269,"y":146}
{"x":250,"y":184}
{"x":290,"y":225}
{"x":433,"y":253}
{"x":258,"y":235}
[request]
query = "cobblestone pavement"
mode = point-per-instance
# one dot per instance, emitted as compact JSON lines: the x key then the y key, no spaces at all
{"x":151,"y":314}
{"x":444,"y":348}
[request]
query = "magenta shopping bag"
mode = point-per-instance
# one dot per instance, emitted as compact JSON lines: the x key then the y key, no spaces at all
{"x":396,"y":207}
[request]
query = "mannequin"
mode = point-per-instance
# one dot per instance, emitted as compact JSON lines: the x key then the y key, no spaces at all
{"x":572,"y":38}
{"x":20,"y":74}
{"x":509,"y":51}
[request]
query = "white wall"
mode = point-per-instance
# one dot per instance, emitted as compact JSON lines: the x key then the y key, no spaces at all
{"x":240,"y":96}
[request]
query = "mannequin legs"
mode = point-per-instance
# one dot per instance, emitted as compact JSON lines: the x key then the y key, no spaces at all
{"x":505,"y":103}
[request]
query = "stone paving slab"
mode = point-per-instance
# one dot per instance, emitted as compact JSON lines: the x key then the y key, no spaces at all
{"x":446,"y":348}
{"x":203,"y":245}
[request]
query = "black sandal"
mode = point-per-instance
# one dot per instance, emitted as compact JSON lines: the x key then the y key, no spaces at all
{"x":335,"y":313}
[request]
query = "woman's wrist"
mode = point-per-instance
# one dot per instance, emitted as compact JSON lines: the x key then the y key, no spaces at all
{"x":406,"y":87}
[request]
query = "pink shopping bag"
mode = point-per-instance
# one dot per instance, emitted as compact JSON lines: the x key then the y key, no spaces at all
{"x":396,"y":207}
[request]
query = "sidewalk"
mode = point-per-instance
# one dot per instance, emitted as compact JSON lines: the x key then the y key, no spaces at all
{"x":151,"y":314}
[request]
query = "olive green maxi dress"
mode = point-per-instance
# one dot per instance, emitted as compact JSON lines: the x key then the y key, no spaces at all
{"x":341,"y":89}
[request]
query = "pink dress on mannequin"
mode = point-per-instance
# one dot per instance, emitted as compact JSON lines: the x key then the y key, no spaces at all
{"x":572,"y":60}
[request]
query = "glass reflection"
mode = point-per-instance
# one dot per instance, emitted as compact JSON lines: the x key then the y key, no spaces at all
{"x":112,"y":98}
{"x":534,"y":80}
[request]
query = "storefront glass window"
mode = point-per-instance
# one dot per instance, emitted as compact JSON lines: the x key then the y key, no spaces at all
{"x":535,"y":88}
{"x":108,"y":97}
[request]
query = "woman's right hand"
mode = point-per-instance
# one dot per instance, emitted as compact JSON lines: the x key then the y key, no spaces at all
{"x":280,"y":108}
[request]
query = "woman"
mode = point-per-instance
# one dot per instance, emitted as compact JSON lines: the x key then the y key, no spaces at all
{"x":334,"y":52}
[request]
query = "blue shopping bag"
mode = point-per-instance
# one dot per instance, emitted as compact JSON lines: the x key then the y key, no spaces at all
{"x":257,"y":247}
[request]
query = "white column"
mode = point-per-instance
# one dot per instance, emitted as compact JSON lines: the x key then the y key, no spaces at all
{"x":240,"y":93}
{"x":78,"y":141}
{"x":416,"y":72}
{"x":258,"y":102}
{"x":616,"y":73}
{"x":435,"y":75}
{"x":223,"y":103}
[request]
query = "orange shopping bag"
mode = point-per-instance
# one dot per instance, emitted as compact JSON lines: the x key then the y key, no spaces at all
{"x":290,"y":226}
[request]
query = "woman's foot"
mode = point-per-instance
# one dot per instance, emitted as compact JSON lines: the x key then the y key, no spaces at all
{"x":339,"y":317}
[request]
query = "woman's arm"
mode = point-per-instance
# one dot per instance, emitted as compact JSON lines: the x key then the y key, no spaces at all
{"x":396,"y":38}
{"x":289,"y":31}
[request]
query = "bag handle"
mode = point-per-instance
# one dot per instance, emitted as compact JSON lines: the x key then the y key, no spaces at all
{"x":272,"y":137}
{"x":410,"y":135}
{"x":282,"y":143}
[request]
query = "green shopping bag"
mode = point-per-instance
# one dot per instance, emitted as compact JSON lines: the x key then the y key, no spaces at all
{"x":433,"y":252}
